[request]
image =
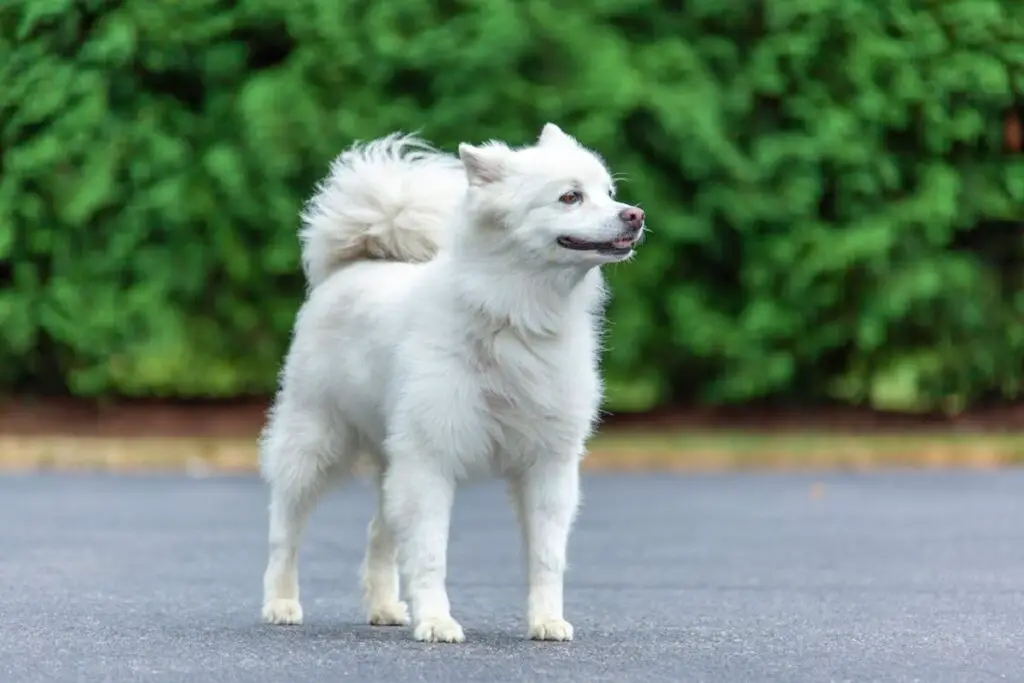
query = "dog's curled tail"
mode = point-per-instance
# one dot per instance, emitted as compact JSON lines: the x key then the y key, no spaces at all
{"x":392,"y":199}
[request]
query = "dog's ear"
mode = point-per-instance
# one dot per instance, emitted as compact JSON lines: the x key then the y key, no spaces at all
{"x":552,"y":134}
{"x":484,"y":165}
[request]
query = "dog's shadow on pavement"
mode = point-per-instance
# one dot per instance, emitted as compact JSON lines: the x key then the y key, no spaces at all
{"x":360,"y":636}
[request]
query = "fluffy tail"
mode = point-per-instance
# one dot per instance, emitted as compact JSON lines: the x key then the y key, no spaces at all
{"x":392,"y":198}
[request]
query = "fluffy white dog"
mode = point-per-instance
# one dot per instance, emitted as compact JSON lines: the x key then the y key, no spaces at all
{"x":451,"y":330}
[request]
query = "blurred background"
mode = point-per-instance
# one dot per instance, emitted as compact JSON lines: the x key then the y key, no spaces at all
{"x":835,"y":191}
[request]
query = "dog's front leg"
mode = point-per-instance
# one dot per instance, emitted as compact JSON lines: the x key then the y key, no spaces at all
{"x":417,"y":503}
{"x":546,"y":497}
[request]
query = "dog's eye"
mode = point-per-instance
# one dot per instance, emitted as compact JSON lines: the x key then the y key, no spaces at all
{"x":573,"y":197}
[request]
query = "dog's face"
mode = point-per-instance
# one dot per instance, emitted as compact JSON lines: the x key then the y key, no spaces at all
{"x":554,"y":202}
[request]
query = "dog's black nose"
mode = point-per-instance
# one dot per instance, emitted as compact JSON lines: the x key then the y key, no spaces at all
{"x":632,"y":216}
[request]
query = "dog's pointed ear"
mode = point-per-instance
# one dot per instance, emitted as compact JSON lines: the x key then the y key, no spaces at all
{"x":551,"y":134}
{"x":484,"y":165}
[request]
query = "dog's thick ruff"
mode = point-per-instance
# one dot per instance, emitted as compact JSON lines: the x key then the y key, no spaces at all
{"x":447,"y":334}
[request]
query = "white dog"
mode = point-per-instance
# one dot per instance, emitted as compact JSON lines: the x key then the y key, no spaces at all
{"x":451,"y":330}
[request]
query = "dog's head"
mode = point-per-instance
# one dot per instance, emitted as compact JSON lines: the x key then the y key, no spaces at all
{"x":553,"y":202}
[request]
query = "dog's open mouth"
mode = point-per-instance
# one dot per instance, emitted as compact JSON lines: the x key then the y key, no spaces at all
{"x":618,"y":247}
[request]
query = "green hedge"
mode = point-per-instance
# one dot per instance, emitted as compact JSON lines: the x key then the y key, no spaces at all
{"x":821,"y":176}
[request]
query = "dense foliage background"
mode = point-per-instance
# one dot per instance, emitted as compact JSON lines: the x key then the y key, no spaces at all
{"x":832,"y":210}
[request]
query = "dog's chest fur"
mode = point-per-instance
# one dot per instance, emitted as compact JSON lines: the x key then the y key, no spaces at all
{"x":539,"y":393}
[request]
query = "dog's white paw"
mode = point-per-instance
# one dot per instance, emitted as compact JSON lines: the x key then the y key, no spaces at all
{"x":282,"y":612}
{"x":439,"y":630}
{"x":551,"y":629}
{"x":393,"y":614}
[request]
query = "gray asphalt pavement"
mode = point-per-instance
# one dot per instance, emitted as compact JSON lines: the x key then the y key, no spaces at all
{"x":746,"y":578}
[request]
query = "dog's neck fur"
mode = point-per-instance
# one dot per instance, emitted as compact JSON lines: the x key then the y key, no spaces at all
{"x":530,"y":298}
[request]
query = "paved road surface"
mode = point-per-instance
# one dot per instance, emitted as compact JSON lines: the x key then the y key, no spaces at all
{"x":745,"y":579}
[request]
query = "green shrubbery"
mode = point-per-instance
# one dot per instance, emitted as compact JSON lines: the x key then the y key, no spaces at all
{"x":818,"y":176}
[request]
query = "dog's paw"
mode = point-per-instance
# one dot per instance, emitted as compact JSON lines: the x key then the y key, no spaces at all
{"x":393,"y":614}
{"x":551,"y":629}
{"x":439,"y":630}
{"x":282,"y":612}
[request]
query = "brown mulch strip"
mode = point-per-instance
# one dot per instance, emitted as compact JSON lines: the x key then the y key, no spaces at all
{"x":207,"y":437}
{"x":244,"y":418}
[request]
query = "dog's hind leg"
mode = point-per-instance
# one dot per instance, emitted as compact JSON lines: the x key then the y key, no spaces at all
{"x":380,"y":570}
{"x":300,"y":459}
